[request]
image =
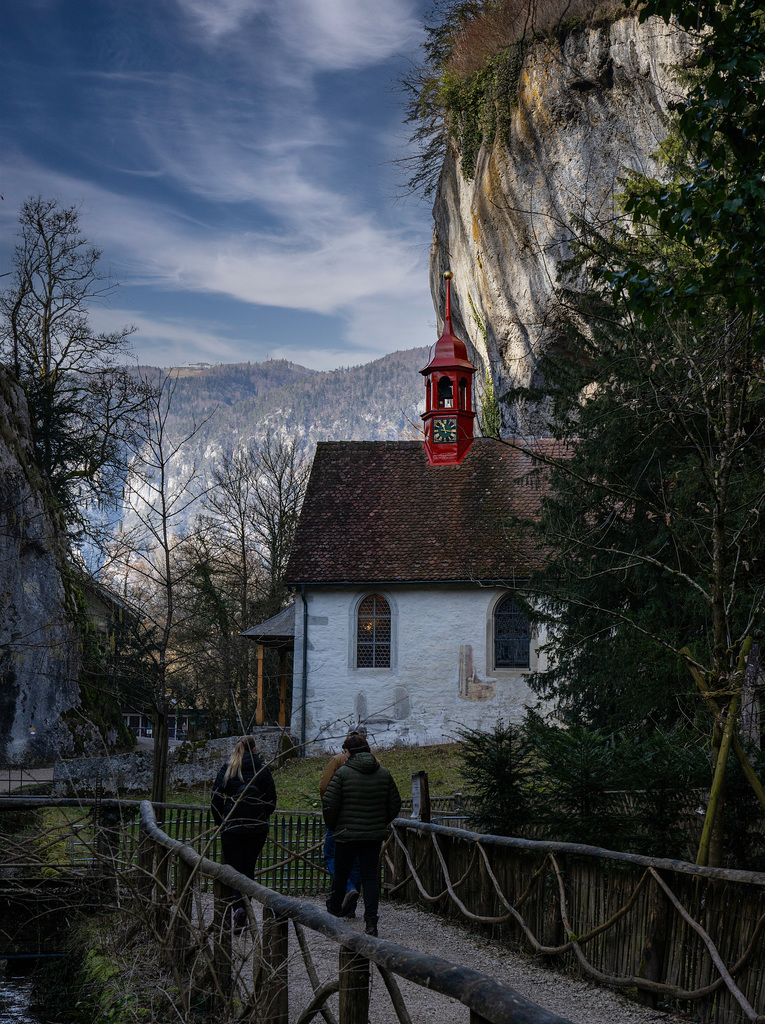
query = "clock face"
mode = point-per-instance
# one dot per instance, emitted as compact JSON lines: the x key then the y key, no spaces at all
{"x":444,"y":429}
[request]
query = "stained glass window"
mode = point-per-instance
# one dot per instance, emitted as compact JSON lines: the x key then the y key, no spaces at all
{"x":512,"y":636}
{"x":373,"y":633}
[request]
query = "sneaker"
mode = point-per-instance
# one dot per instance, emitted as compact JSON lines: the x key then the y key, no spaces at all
{"x":348,"y":906}
{"x":240,"y":919}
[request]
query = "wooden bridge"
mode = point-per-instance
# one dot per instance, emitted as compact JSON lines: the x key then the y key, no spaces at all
{"x":679,"y":935}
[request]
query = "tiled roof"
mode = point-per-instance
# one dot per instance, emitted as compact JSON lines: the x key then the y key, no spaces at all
{"x":276,"y":631}
{"x":375,"y":511}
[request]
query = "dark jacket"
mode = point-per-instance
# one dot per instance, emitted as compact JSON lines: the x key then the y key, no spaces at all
{"x":244,"y":802}
{"x":361,"y":800}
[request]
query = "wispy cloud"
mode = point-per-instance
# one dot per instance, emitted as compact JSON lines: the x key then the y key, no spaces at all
{"x":214,"y":159}
{"x":175,"y":341}
{"x":221,"y":17}
{"x":342,"y":34}
{"x":336,"y":34}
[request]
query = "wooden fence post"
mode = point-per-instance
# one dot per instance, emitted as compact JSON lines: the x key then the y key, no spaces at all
{"x":274,"y":993}
{"x":145,"y":864}
{"x":162,"y":894}
{"x":181,"y":939}
{"x":354,"y":987}
{"x":553,"y":932}
{"x":652,"y":958}
{"x":222,"y":899}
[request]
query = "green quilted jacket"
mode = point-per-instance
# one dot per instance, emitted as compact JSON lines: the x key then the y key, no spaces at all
{"x":361,"y":800}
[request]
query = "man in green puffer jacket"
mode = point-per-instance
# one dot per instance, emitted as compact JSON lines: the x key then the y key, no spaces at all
{"x":360,"y":802}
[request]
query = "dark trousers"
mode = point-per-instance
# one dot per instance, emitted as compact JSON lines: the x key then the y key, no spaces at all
{"x":354,"y":880}
{"x":241,"y":849}
{"x":368,"y":853}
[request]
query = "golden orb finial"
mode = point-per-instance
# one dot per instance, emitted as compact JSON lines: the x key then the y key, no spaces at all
{"x":448,"y":275}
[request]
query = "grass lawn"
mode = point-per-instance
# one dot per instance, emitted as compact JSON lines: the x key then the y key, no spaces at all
{"x":297,"y":782}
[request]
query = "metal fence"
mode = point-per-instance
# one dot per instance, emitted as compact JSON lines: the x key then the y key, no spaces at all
{"x":16,"y":777}
{"x":81,"y":832}
{"x":291,"y":860}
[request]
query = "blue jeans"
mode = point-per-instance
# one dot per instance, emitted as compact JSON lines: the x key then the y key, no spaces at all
{"x":354,"y":879}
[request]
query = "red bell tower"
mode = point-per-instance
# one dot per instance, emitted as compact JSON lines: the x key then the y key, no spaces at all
{"x":448,"y":417}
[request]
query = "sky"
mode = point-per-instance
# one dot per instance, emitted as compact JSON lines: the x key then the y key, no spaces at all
{"x":232,"y":159}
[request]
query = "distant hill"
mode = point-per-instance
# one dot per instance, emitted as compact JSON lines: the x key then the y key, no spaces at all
{"x":236,"y":403}
{"x":381,"y":400}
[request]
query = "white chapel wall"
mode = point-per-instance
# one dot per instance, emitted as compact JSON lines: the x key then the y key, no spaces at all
{"x":441,"y":677}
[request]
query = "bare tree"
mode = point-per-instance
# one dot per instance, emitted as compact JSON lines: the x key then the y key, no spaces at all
{"x":85,"y":404}
{"x":147,"y":559}
{"x":249,"y":526}
{"x":230,"y":504}
{"x":281,"y":477}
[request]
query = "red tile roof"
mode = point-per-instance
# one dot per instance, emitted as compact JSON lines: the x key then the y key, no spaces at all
{"x":376,"y":512}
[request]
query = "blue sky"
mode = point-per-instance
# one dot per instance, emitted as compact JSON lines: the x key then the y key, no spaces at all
{"x":232,"y":160}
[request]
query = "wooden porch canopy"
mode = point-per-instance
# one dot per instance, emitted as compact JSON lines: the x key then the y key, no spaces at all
{"x":277,"y":632}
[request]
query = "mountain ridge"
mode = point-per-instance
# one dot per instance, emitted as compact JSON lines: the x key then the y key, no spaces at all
{"x":379,"y":400}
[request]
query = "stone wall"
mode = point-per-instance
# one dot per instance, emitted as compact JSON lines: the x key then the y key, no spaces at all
{"x":189,"y":764}
{"x":441,"y":678}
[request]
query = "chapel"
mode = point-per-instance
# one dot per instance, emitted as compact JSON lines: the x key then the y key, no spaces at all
{"x":405,"y":567}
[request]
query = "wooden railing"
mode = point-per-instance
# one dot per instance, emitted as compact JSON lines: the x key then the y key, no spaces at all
{"x":170,"y":875}
{"x":681,"y":935}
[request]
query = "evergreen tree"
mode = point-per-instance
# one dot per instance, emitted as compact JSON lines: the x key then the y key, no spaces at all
{"x":657,"y":390}
{"x":653,"y":513}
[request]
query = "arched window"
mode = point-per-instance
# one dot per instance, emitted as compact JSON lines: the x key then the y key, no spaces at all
{"x":512,"y":636}
{"x":373,"y":633}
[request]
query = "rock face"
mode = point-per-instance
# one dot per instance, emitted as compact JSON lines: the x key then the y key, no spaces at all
{"x":590,"y":106}
{"x":38,"y":649}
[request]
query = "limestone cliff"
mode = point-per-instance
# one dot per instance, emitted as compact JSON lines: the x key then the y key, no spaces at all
{"x":590,"y":104}
{"x":38,"y":648}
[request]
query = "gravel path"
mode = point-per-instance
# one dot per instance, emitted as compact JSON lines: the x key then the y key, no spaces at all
{"x":579,"y":1001}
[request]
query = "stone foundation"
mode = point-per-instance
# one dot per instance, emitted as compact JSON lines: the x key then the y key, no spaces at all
{"x":189,"y":764}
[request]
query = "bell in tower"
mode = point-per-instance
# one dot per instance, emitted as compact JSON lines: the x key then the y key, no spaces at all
{"x":448,"y":417}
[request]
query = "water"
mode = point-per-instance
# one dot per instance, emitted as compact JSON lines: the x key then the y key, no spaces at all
{"x":15,"y":999}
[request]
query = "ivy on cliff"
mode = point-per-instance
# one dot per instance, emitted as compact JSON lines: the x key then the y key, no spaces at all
{"x":478,"y":109}
{"x":466,"y":86}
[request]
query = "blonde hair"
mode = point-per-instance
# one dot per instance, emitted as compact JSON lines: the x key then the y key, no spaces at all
{"x":247,"y":744}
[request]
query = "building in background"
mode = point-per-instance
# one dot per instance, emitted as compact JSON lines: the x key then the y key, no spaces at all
{"x":406,"y":567}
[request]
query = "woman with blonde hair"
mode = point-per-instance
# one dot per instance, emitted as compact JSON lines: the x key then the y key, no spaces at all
{"x":243,"y":799}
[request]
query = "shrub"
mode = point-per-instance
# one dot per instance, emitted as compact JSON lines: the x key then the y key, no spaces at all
{"x":496,"y":765}
{"x":661,"y":773}
{"x":574,"y":783}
